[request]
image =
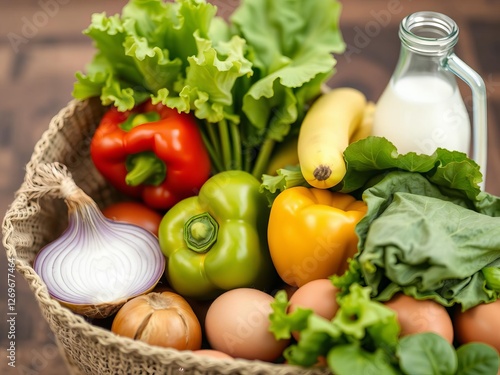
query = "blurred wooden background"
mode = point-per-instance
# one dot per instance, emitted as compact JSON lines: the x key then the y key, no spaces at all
{"x":41,"y":47}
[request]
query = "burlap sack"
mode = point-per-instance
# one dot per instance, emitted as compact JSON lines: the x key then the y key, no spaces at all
{"x":37,"y":217}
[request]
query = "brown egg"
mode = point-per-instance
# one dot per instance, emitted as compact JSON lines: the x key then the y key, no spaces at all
{"x":318,"y":295}
{"x":237,"y":323}
{"x":480,"y":323}
{"x":416,"y":316}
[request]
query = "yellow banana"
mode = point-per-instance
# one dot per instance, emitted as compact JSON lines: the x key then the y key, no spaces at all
{"x":325,"y":133}
{"x":366,"y":126}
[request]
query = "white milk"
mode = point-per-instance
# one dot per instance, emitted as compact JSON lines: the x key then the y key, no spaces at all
{"x":422,"y":113}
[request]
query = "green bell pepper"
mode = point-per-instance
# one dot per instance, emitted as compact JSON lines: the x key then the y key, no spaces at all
{"x":217,"y":241}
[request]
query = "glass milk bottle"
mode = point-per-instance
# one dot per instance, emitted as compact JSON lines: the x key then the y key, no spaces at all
{"x":421,"y":108}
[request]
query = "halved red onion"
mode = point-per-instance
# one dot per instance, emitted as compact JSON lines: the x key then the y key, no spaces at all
{"x":98,"y":264}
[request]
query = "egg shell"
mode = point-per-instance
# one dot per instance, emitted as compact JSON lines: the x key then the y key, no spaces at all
{"x":479,"y":324}
{"x":417,"y":316}
{"x":318,"y":295}
{"x":237,"y":323}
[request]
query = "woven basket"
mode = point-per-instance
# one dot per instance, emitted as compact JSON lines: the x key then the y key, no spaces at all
{"x":36,"y":218}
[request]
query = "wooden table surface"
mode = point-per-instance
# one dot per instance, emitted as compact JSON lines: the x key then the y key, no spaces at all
{"x":41,"y":47}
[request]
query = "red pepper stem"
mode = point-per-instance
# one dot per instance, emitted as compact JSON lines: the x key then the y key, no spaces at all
{"x":145,"y":168}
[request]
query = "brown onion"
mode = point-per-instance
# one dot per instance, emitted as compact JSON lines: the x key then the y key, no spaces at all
{"x":162,"y":319}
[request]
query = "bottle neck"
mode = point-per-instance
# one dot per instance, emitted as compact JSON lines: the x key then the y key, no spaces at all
{"x":429,"y":33}
{"x":427,"y":39}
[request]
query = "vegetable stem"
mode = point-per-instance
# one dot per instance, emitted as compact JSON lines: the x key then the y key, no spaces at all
{"x":248,"y":160}
{"x":226,"y":144}
{"x":216,"y":165}
{"x":263,"y":157}
{"x":246,"y":150}
{"x":145,"y":168}
{"x":214,"y":139}
{"x":236,"y":143}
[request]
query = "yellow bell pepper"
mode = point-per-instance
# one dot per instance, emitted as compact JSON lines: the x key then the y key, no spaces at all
{"x":311,"y":233}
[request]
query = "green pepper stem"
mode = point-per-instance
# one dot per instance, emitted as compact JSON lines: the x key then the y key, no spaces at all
{"x":145,"y":168}
{"x":263,"y":158}
{"x":200,"y":232}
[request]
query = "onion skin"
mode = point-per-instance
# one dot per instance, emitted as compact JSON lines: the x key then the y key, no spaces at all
{"x":100,"y":311}
{"x":163,"y":319}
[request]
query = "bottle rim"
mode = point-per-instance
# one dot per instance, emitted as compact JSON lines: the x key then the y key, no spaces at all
{"x":429,"y":33}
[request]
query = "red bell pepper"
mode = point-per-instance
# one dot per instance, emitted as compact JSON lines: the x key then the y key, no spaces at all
{"x":151,"y":152}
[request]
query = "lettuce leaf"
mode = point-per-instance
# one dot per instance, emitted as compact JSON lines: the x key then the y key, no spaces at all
{"x":209,"y":81}
{"x":427,"y":246}
{"x":143,"y":50}
{"x":452,"y":171}
{"x":417,"y":359}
